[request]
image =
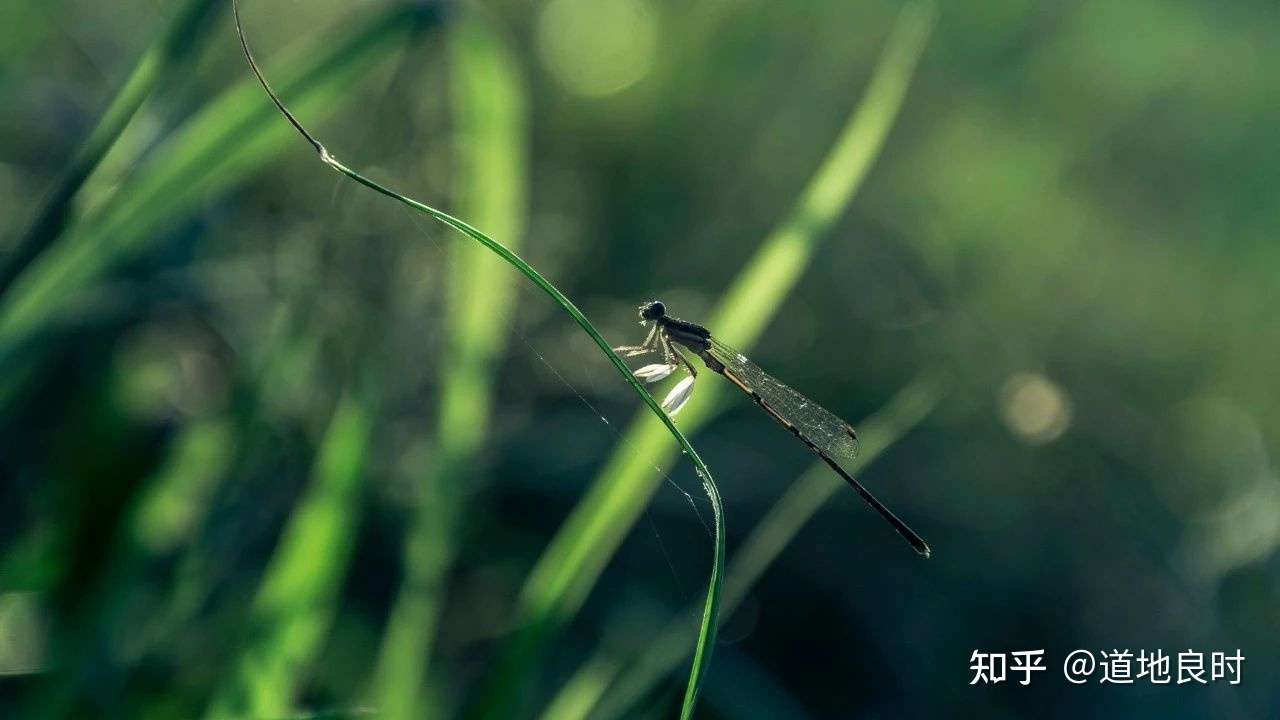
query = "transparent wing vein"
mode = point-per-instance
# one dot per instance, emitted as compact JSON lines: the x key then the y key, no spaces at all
{"x":824,"y":429}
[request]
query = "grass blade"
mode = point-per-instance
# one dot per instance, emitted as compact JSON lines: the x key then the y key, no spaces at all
{"x":182,"y":37}
{"x":228,"y":140}
{"x":707,"y":634}
{"x":297,"y":599}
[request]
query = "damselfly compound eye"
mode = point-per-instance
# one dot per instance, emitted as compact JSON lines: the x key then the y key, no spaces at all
{"x":652,"y":310}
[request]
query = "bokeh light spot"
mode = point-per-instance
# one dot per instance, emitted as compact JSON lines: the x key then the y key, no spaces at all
{"x":598,"y":47}
{"x":1035,"y":408}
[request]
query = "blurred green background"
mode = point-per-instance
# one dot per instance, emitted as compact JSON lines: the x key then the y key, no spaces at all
{"x":272,"y":446}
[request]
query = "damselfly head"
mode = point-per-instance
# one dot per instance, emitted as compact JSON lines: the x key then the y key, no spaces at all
{"x":652,"y":310}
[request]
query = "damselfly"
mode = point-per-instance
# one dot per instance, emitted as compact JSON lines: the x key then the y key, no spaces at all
{"x":831,"y":438}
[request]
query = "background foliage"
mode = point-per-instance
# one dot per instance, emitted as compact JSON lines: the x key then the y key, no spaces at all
{"x":271,"y":446}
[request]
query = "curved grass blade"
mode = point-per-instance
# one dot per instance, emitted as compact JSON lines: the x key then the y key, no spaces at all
{"x":570,"y":566}
{"x":706,"y":636}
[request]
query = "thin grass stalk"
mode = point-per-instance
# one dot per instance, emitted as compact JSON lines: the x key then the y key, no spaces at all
{"x":706,"y":636}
